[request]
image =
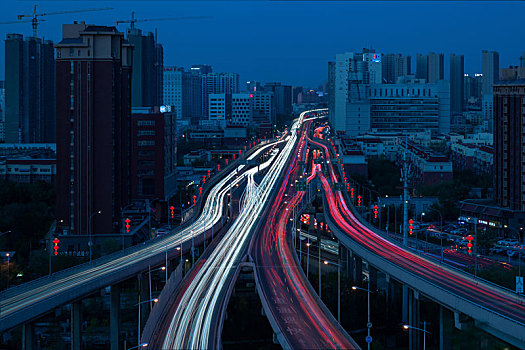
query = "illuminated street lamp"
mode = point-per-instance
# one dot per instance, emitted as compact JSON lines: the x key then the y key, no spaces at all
{"x":424,"y":330}
{"x":326,"y":262}
{"x":368,"y":324}
{"x":90,"y":243}
{"x":143,"y":345}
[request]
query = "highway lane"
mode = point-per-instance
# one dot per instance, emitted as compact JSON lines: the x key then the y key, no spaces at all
{"x":302,"y":319}
{"x":17,"y":299}
{"x":490,"y":297}
{"x":192,"y":323}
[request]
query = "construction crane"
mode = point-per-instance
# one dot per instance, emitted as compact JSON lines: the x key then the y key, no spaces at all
{"x":133,"y":20}
{"x":35,"y":16}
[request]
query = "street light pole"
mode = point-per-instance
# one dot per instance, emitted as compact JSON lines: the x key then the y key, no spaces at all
{"x":90,"y":229}
{"x":369,"y":324}
{"x":326,"y":262}
{"x":440,"y":229}
{"x":424,"y":330}
{"x":8,"y":264}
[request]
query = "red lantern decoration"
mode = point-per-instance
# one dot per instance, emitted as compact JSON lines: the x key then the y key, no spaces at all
{"x":127,"y":221}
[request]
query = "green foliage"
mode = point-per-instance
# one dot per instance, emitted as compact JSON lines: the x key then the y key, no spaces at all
{"x":27,"y":210}
{"x":385,"y":175}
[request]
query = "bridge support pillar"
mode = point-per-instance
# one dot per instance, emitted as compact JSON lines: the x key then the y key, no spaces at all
{"x":349,"y":264}
{"x":413,"y":319}
{"x":28,"y":336}
{"x":372,"y":275}
{"x":358,"y":269}
{"x":441,"y":331}
{"x":144,"y":307}
{"x":114,"y":318}
{"x":460,"y":321}
{"x":404,"y":306}
{"x":76,"y":325}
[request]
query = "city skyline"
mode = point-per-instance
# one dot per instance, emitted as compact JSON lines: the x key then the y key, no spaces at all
{"x":235,"y":31}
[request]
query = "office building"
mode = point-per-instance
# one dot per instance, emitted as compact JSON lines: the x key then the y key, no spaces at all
{"x":263,"y":109}
{"x":436,"y":67}
{"x":153,"y":154}
{"x":509,"y":158}
{"x":394,"y":66}
{"x":512,"y":73}
{"x":146,"y":84}
{"x":219,"y":109}
{"x":296,"y":90}
{"x":282,"y":96}
{"x":231,"y":109}
{"x":173,"y":89}
{"x":409,"y":107}
{"x":30,"y":90}
{"x":217,"y":83}
{"x":93,"y":76}
{"x":457,"y":74}
{"x":242,"y":109}
{"x":253,"y":86}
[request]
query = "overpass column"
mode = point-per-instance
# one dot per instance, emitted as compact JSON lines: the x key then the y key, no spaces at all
{"x":372,"y":275}
{"x":413,"y":319}
{"x":114,"y":318}
{"x":28,"y":336}
{"x":358,"y":269}
{"x":76,"y":326}
{"x":349,"y":264}
{"x":404,"y":307}
{"x":441,"y":332}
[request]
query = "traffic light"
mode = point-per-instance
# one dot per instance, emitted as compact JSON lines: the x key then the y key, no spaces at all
{"x":172,"y":211}
{"x":359,"y":200}
{"x":352,"y":193}
{"x":127,"y":221}
{"x":375,"y":211}
{"x":469,"y":244}
{"x":55,"y":247}
{"x":410,"y":226}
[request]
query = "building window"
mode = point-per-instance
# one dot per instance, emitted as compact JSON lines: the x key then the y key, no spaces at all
{"x":71,"y":51}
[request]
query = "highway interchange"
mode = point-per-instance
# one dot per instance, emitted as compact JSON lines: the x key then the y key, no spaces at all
{"x":298,"y":316}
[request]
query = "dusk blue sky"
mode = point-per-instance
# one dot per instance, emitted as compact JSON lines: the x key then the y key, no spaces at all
{"x":292,"y":41}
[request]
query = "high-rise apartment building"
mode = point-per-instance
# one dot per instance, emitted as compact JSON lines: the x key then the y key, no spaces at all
{"x":457,"y":74}
{"x":436,"y":67}
{"x":30,"y":90}
{"x":2,"y":110}
{"x":153,"y":154}
{"x":349,"y":76}
{"x":472,"y":88}
{"x":422,"y":66}
{"x":148,"y":63}
{"x":93,"y":77}
{"x":509,"y":157}
{"x":394,"y":66}
{"x":490,"y":70}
